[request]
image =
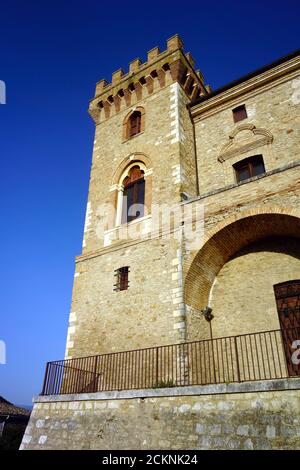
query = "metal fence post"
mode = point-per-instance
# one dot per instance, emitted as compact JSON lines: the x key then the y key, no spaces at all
{"x":156,"y":384}
{"x":237,"y":359}
{"x":95,"y":374}
{"x":45,"y":379}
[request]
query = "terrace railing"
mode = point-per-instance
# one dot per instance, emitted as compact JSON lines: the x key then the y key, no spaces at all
{"x":255,"y":356}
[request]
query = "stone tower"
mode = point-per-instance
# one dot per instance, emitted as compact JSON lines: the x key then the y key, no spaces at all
{"x":150,"y":311}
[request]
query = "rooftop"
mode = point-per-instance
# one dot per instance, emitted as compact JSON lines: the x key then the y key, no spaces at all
{"x":248,"y":76}
{"x":7,"y":408}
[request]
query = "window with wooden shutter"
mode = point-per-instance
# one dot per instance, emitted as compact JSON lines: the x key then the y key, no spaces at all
{"x":133,"y":195}
{"x":134,"y":123}
{"x":249,"y":167}
{"x":122,"y":280}
{"x":239,"y":113}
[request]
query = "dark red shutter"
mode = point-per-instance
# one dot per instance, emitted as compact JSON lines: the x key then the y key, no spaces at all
{"x":239,"y":113}
{"x":135,"y":123}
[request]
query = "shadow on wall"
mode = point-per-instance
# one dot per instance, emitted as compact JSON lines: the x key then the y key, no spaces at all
{"x":242,"y":296}
{"x":242,"y":292}
{"x":287,"y":245}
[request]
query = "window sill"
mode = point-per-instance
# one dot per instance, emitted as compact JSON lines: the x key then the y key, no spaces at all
{"x":135,"y":221}
{"x":133,"y":137}
{"x":124,"y":232}
{"x":237,"y":185}
{"x":251,"y":178}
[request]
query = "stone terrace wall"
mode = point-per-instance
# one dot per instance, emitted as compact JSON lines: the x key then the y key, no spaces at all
{"x":256,"y":420}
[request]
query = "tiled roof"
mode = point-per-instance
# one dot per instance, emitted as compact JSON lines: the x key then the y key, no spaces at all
{"x":7,"y":408}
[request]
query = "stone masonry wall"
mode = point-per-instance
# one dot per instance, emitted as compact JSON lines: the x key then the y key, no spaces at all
{"x":257,"y":420}
{"x":275,"y":110}
{"x":149,"y":312}
{"x":278,"y":192}
{"x":160,"y":143}
{"x":152,"y":311}
{"x":103,"y":320}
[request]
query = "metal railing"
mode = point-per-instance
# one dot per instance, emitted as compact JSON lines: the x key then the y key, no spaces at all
{"x":255,"y":356}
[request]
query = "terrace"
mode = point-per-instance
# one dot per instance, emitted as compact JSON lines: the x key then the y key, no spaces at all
{"x":258,"y":356}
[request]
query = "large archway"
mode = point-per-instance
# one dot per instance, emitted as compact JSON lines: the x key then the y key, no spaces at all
{"x":234,"y":273}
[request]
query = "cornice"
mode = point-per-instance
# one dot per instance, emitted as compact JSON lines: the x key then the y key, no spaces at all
{"x":122,"y":244}
{"x":259,"y":83}
{"x":132,"y":242}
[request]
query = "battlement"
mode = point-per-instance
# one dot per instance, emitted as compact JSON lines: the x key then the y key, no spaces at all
{"x":173,"y":44}
{"x":160,"y":69}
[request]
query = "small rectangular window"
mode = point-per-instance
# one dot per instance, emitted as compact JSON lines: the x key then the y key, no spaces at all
{"x":122,"y":281}
{"x":249,"y":167}
{"x":135,"y":124}
{"x":239,"y":113}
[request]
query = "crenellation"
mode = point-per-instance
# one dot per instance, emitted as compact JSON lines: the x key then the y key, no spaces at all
{"x":200,"y":75}
{"x":158,"y":66}
{"x":174,"y":43}
{"x":116,"y":76}
{"x":134,"y":65}
{"x":100,"y":86}
{"x":190,"y":58}
{"x":153,"y":54}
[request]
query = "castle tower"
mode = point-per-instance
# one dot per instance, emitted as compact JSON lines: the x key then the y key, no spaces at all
{"x":143,"y":151}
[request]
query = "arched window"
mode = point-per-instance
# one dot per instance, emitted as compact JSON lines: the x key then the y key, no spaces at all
{"x":134,"y":123}
{"x":131,"y":189}
{"x":133,"y":194}
{"x":249,"y":167}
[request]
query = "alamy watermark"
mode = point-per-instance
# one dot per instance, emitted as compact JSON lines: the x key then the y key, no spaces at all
{"x":296,"y":355}
{"x":164,"y":220}
{"x":2,"y":92}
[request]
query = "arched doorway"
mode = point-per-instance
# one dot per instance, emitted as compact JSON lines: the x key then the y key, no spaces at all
{"x":234,"y":273}
{"x":242,"y":295}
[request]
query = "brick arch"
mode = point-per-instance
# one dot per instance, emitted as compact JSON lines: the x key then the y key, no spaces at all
{"x":116,"y":189}
{"x":136,"y":157}
{"x":226,"y":239}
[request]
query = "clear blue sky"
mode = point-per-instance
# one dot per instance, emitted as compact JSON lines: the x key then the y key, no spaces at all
{"x":52,"y":54}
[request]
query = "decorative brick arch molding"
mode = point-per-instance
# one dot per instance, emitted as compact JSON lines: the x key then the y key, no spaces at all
{"x":226,"y":239}
{"x":116,"y":189}
{"x":254,"y":137}
{"x":133,"y":157}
